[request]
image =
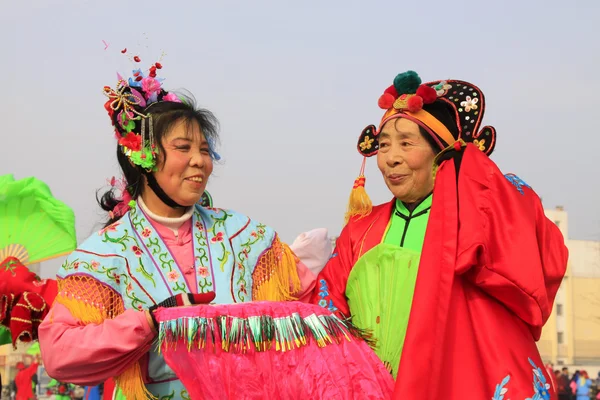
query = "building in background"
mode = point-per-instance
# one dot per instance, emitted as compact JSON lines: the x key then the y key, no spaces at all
{"x":572,"y":334}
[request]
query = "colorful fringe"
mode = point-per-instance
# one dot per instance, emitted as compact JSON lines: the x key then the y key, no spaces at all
{"x":260,"y":333}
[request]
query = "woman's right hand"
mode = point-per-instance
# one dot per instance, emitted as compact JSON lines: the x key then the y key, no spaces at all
{"x":179,"y":300}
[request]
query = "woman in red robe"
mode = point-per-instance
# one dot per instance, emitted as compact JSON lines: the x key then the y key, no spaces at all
{"x":457,"y":275}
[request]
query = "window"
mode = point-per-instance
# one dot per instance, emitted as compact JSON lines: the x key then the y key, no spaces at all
{"x":559,"y":310}
{"x":560,"y":337}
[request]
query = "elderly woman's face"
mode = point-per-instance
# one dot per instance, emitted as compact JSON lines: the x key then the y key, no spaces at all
{"x":405,"y":159}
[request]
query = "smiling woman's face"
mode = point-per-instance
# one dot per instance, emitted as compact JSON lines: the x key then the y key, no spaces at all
{"x":405,"y":160}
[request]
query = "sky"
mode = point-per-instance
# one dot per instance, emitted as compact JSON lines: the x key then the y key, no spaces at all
{"x":293,"y":84}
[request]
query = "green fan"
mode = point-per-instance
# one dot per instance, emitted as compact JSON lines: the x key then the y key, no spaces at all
{"x":34,"y":226}
{"x":379,"y":291}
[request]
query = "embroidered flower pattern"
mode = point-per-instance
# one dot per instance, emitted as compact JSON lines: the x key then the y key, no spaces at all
{"x":117,"y":278}
{"x":173,"y":276}
{"x":218,"y":238}
{"x":441,"y":88}
{"x":480,"y":144}
{"x":95,"y":265}
{"x":147,"y":232}
{"x":540,"y":386}
{"x":199,"y":226}
{"x":137,"y":251}
{"x":366,"y":144}
{"x":469,"y":104}
{"x":76,"y":265}
{"x":203,"y":272}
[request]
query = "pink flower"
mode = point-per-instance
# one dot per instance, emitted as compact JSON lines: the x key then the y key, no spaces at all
{"x":137,"y":251}
{"x":129,"y":288}
{"x":139,"y":307}
{"x":254,"y":234}
{"x":146,"y":232}
{"x":203,"y":272}
{"x":173,"y":276}
{"x":199,"y":226}
{"x":240,"y":266}
{"x":218,"y":238}
{"x":94,"y":265}
{"x":172,"y":97}
{"x":245,"y":252}
{"x":243,"y":288}
{"x":151,"y":87}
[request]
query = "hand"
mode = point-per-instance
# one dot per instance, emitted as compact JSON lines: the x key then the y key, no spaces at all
{"x":179,"y":300}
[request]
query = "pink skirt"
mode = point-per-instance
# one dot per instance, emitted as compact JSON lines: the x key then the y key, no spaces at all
{"x":269,"y":350}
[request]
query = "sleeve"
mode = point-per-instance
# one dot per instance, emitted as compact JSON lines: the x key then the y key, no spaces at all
{"x":314,"y":249}
{"x":89,"y":354}
{"x":514,"y":253}
{"x":330,"y":291}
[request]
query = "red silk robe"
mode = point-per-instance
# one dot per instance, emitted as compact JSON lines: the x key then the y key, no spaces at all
{"x":489,"y":271}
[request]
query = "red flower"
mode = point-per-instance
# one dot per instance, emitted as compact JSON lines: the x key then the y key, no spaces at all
{"x":218,"y":238}
{"x":131,"y":141}
{"x":199,"y":226}
{"x":245,"y":252}
{"x":254,"y":234}
{"x":139,"y":307}
{"x":136,"y":59}
{"x":76,"y":265}
{"x":261,"y":231}
{"x":243,"y":288}
{"x":146,"y":232}
{"x":137,"y":251}
{"x":240,"y":266}
{"x":108,"y":108}
{"x":158,"y":65}
{"x":117,"y":278}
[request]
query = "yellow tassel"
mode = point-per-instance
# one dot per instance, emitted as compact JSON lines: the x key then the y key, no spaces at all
{"x":132,"y":385}
{"x":275,"y":277}
{"x":359,"y":203}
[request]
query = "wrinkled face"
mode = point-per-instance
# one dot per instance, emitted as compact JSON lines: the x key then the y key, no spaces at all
{"x":405,"y":160}
{"x":185,"y":166}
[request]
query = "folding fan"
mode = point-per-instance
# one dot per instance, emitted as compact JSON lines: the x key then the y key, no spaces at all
{"x":34,"y":226}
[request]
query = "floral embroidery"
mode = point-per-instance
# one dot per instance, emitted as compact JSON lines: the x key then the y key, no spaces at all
{"x":173,"y":276}
{"x":470,"y":103}
{"x":218,"y":238}
{"x":479,"y":144}
{"x":366,"y":144}
{"x":203,"y":272}
{"x":76,"y":265}
{"x":147,"y":232}
{"x":441,"y":88}
{"x":242,"y":258}
{"x":324,"y":294}
{"x":94,"y":265}
{"x":202,"y":262}
{"x":540,"y":385}
{"x":517,"y":182}
{"x":137,"y":251}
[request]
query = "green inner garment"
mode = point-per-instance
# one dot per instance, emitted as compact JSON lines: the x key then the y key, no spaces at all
{"x":381,"y":284}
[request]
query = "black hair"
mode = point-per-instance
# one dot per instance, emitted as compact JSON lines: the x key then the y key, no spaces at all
{"x":165,"y":114}
{"x":446,"y":114}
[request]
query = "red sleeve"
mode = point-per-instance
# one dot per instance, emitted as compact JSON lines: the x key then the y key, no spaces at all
{"x":514,"y":253}
{"x":330,"y":291}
